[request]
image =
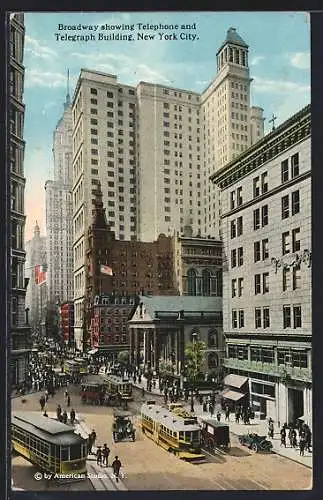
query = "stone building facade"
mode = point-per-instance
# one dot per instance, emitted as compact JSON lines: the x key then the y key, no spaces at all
{"x":20,"y":331}
{"x":161,"y":327}
{"x":267,"y":301}
{"x":198,"y":265}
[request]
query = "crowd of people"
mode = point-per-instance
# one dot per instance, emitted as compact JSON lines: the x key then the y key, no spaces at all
{"x":299,"y":436}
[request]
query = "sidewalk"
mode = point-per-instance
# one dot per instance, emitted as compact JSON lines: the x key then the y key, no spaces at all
{"x":259,"y":427}
{"x":102,"y":478}
{"x":256,"y":426}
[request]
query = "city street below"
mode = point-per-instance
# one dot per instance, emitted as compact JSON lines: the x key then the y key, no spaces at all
{"x":146,"y":466}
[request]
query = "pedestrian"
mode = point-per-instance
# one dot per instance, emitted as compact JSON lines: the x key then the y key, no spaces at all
{"x":302,"y":444}
{"x":227,"y":413}
{"x":66,"y":393}
{"x":218,"y":416}
{"x":283,"y":437}
{"x":308,"y":439}
{"x":237,"y":416}
{"x":68,"y":400}
{"x":64,"y":417}
{"x":105,"y":453}
{"x":99,"y":456}
{"x":89,"y":443}
{"x":72,"y":416}
{"x":93,"y":434}
{"x":42,"y":403}
{"x":46,"y":395}
{"x":294,"y":438}
{"x":271,"y":429}
{"x":116,"y":466}
{"x":211,"y":409}
{"x":290,"y":436}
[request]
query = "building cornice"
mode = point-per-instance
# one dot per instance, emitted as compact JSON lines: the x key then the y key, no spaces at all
{"x":291,"y":132}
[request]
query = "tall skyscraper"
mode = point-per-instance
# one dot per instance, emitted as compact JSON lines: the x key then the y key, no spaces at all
{"x":153,"y":148}
{"x":36,"y":296}
{"x":19,"y":322}
{"x":59,"y":212}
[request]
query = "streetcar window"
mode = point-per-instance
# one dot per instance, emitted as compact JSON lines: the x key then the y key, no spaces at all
{"x":181,"y":435}
{"x":195,"y":435}
{"x":56,"y":451}
{"x":75,"y":452}
{"x":64,"y":454}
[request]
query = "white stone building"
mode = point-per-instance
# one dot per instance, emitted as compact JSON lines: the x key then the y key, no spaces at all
{"x":267,"y":305}
{"x":153,"y":149}
{"x":59,"y":213}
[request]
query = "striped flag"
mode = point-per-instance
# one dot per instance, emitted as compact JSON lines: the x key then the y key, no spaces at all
{"x":40,"y":275}
{"x":106,"y":270}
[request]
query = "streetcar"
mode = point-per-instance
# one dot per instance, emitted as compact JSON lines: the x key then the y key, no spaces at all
{"x":77,"y":366}
{"x":118,"y":387}
{"x":83,"y":365}
{"x":178,"y":435}
{"x":51,"y":446}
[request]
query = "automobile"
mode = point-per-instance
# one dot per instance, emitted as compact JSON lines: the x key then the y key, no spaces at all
{"x":255,"y":442}
{"x":122,"y":427}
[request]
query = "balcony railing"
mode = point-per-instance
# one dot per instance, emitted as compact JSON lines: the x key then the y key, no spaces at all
{"x":282,"y":371}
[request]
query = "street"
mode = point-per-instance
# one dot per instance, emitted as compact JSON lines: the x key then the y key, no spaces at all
{"x":145,"y":466}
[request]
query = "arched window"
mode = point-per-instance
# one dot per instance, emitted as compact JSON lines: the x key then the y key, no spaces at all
{"x":195,"y":334}
{"x":206,"y":280}
{"x":212,"y":338}
{"x":191,"y":278}
{"x":213,"y":360}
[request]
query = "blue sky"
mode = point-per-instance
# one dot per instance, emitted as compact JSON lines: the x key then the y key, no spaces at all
{"x":279,"y":59}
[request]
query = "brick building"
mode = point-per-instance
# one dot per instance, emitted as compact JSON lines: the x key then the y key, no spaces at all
{"x":66,"y":312}
{"x":137,"y":268}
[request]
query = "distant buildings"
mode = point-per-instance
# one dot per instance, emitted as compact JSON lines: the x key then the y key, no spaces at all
{"x":267,"y":301}
{"x":59,"y":213}
{"x":36,"y":270}
{"x":153,"y":148}
{"x":19,"y":322}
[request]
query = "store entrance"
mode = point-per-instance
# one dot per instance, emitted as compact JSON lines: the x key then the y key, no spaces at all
{"x":295,"y":404}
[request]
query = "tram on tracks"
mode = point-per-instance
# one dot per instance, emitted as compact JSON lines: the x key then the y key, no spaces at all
{"x":76,"y":366}
{"x":118,"y":386}
{"x":51,"y":446}
{"x":178,"y":435}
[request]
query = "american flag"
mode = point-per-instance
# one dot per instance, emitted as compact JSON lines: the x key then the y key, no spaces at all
{"x":40,"y":275}
{"x":106,"y":270}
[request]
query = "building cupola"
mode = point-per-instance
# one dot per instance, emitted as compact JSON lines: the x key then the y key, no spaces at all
{"x":234,"y":50}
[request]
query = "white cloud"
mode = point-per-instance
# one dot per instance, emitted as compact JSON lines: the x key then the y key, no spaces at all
{"x":278,"y":86}
{"x":35,"y":48}
{"x":36,"y":77}
{"x":300,"y":60}
{"x":256,"y":60}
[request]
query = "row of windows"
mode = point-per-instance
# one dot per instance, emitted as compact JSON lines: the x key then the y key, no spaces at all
{"x":285,"y":356}
{"x":94,"y":91}
{"x":292,"y":317}
{"x":289,"y":170}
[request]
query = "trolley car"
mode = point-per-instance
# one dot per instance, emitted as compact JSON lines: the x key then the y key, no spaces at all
{"x":118,"y":387}
{"x":178,"y":435}
{"x":48,"y":444}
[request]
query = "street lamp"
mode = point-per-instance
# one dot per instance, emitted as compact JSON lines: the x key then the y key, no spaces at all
{"x":194,"y":336}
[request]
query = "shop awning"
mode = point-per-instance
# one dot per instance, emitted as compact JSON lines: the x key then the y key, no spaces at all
{"x":233,"y":395}
{"x":235,"y":380}
{"x":92,"y":351}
